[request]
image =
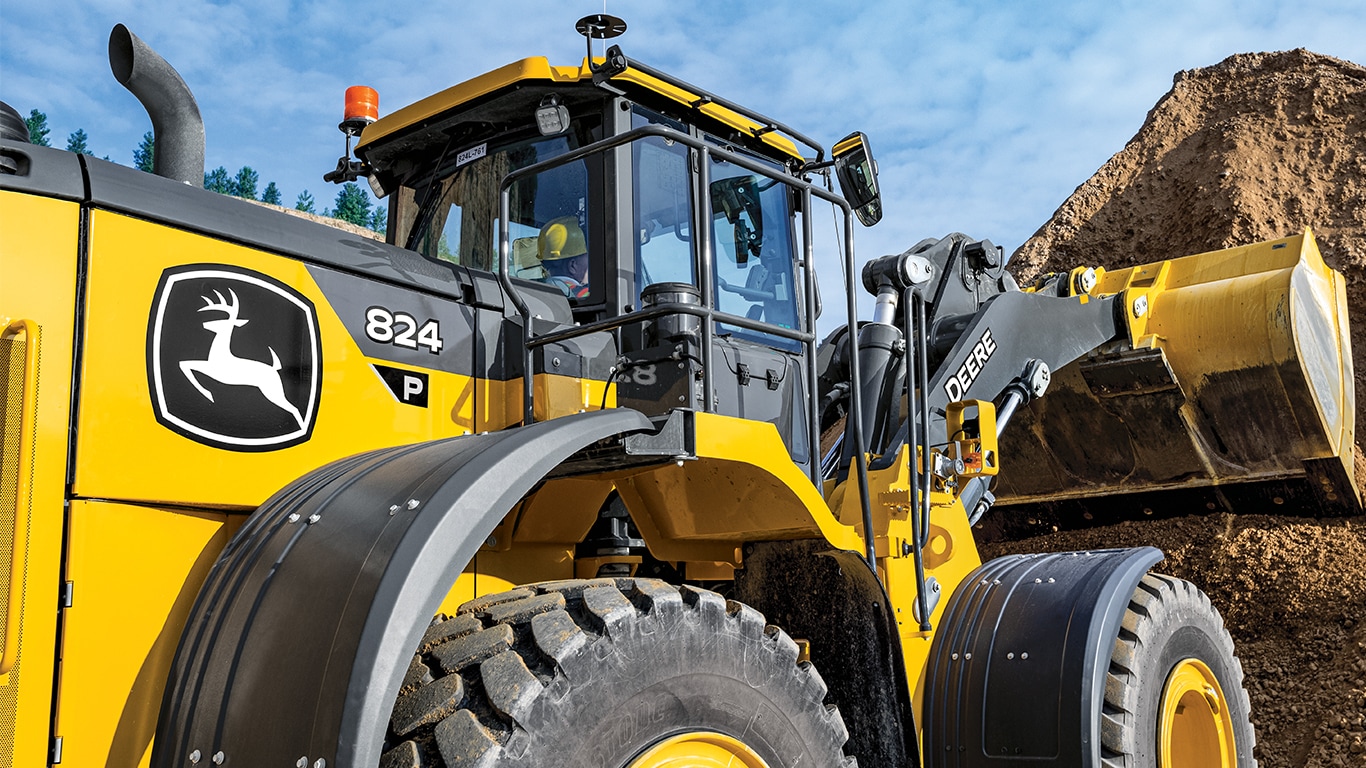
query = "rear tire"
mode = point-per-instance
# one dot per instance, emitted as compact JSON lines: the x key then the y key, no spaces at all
{"x":1174,"y":672}
{"x":610,"y":673}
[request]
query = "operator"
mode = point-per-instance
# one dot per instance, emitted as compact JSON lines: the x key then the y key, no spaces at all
{"x":563,"y":251}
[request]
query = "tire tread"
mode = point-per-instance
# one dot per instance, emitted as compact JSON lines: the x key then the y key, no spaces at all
{"x":1155,"y":597}
{"x":514,"y":648}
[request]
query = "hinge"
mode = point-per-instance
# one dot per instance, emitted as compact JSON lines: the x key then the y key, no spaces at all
{"x":66,"y":596}
{"x":55,"y":753}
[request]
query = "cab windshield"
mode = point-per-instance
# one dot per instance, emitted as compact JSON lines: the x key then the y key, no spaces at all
{"x":751,"y":231}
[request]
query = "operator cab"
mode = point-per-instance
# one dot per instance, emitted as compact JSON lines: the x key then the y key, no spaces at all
{"x":600,"y":172}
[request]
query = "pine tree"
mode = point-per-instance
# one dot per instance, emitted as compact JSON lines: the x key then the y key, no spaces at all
{"x":37,"y":128}
{"x":271,"y":195}
{"x":76,"y":142}
{"x":145,"y":155}
{"x":244,"y":185}
{"x":379,"y":220}
{"x":304,"y":202}
{"x":218,"y":180}
{"x":353,"y":205}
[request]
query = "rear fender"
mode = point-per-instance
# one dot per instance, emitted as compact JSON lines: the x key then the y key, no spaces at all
{"x":301,"y":635}
{"x":1017,"y":669}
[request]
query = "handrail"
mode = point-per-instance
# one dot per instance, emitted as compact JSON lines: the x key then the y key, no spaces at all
{"x":24,"y":468}
{"x":662,"y":310}
{"x":706,"y":278}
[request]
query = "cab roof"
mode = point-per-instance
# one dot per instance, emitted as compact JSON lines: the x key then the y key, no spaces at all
{"x":647,"y":86}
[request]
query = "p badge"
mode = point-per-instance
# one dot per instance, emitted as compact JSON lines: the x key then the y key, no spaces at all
{"x":408,"y":387}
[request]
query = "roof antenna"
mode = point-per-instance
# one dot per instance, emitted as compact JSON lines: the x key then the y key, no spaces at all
{"x":599,"y":26}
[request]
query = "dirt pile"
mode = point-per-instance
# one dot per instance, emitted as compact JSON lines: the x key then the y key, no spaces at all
{"x":1257,"y":147}
{"x":344,"y":226}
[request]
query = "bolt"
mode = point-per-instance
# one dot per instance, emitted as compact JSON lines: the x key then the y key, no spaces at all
{"x":490,"y":541}
{"x":1087,"y":280}
{"x":294,"y":518}
{"x":301,"y":762}
{"x":218,"y":757}
{"x":555,"y":362}
{"x":967,"y":657}
{"x":954,"y":656}
{"x":313,"y":518}
{"x":320,"y":763}
{"x":1010,"y":655}
{"x":194,"y":757}
{"x":1140,"y":306}
{"x":1024,"y":656}
{"x":392,"y":509}
{"x":412,"y":503}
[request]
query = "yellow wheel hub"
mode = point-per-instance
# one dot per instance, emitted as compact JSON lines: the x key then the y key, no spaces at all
{"x":699,"y":750}
{"x":1196,"y":729}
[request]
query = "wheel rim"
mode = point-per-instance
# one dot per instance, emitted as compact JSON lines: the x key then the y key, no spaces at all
{"x":699,"y":750}
{"x":1196,"y":728}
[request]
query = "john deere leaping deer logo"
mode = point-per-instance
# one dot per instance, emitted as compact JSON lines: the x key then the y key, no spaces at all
{"x":227,"y":368}
{"x":232,"y":358}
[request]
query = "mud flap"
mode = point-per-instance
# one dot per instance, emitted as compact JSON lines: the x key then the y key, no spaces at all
{"x":1016,"y":674}
{"x":831,"y":599}
{"x":298,"y":642}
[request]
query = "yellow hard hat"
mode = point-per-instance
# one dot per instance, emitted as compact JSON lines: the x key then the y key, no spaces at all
{"x":561,"y":238}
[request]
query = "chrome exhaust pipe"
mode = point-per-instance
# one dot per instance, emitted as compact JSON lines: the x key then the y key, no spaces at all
{"x":176,"y":124}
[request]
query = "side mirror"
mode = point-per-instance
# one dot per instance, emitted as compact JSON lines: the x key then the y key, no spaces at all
{"x":857,"y":173}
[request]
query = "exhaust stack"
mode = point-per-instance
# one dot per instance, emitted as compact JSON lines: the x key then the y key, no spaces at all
{"x":176,"y":124}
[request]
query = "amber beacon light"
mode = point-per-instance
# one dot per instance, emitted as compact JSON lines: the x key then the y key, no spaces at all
{"x":362,"y":109}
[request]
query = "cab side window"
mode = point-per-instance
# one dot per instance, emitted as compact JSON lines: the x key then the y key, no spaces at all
{"x":455,"y":216}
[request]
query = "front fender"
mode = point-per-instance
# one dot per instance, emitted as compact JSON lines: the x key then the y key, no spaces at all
{"x":1017,"y":670}
{"x":300,"y":637}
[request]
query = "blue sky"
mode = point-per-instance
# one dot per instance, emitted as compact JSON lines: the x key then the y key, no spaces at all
{"x":984,"y":115}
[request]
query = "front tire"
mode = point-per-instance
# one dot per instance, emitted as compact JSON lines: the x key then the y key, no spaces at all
{"x":611,"y":673}
{"x":1174,"y":695}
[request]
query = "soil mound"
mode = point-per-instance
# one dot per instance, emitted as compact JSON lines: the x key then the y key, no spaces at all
{"x":1254,"y":148}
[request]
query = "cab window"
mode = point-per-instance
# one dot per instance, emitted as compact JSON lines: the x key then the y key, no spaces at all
{"x":455,"y":218}
{"x":752,"y":243}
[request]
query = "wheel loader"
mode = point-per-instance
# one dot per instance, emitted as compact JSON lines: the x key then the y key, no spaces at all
{"x":539,"y":480}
